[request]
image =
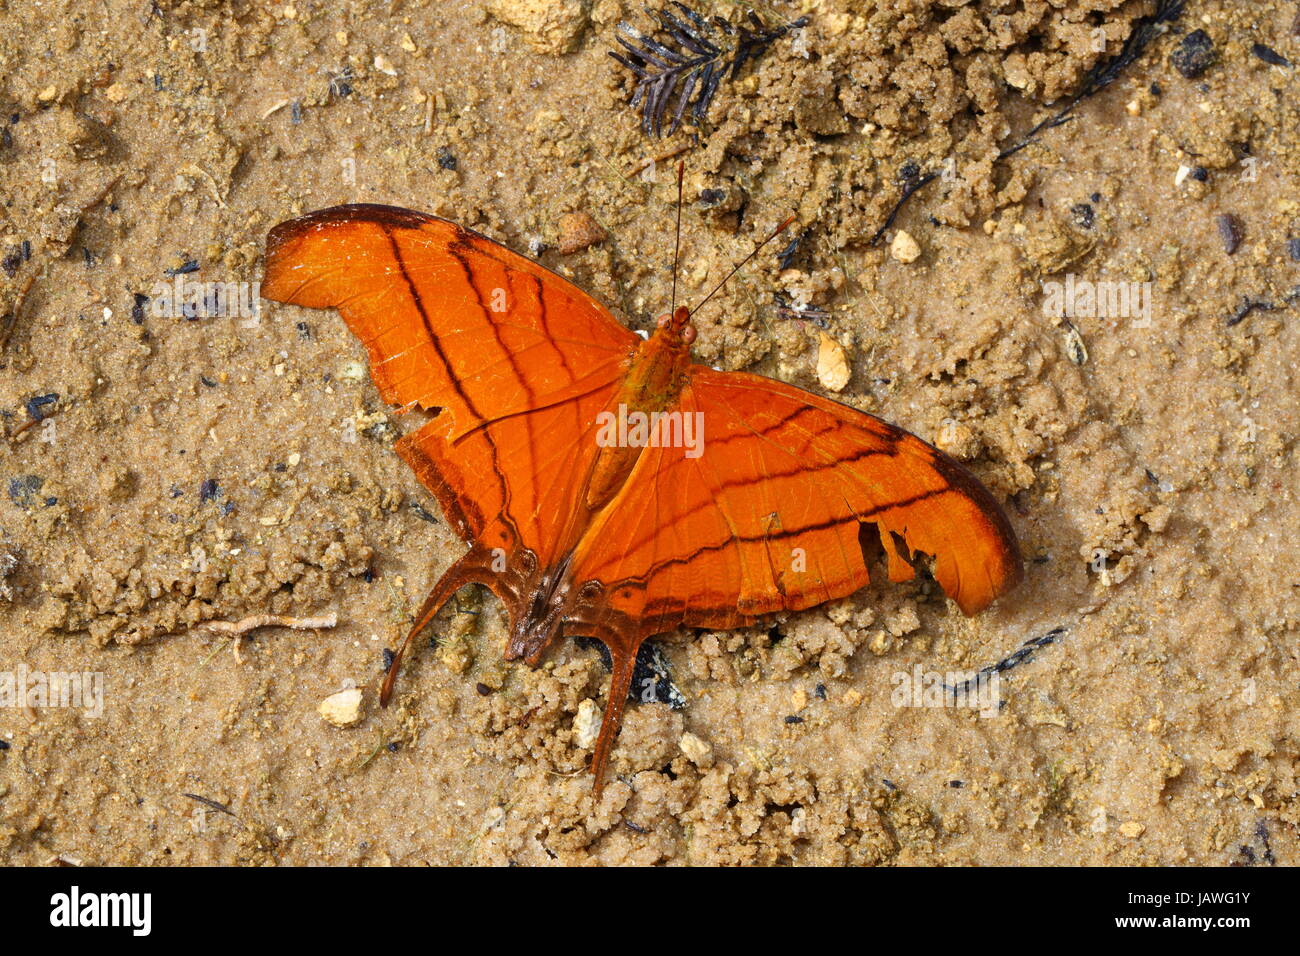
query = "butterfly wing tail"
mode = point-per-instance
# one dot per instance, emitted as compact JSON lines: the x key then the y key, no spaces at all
{"x":463,"y":572}
{"x":622,"y":652}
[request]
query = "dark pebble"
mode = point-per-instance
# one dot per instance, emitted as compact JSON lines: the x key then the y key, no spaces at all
{"x":209,"y":489}
{"x":137,"y":307}
{"x":1269,"y":55}
{"x":446,"y":158}
{"x":794,"y":719}
{"x":820,"y":691}
{"x":36,"y":403}
{"x":483,"y":689}
{"x":786,"y":256}
{"x":304,"y":331}
{"x":1200,"y":174}
{"x":4,"y":745}
{"x":1293,"y":249}
{"x":711,"y":197}
{"x":1083,"y":215}
{"x":1229,"y":227}
{"x":956,"y":784}
{"x":1248,"y":305}
{"x":394,"y":746}
{"x":423,"y":513}
{"x":12,"y":261}
{"x":1194,"y":55}
{"x":23,"y":488}
{"x":389,"y":656}
{"x":185,"y":268}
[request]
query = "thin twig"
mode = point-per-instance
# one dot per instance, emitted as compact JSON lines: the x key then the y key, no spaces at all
{"x":254,"y":621}
{"x":237,"y":629}
{"x":7,"y":323}
{"x":652,"y":160}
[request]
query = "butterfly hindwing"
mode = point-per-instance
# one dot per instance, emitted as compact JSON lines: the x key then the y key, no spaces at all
{"x":769,"y":516}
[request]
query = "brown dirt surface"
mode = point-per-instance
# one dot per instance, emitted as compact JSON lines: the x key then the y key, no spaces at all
{"x":203,"y":468}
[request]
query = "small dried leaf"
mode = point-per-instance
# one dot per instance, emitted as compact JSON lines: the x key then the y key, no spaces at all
{"x":832,"y":363}
{"x":578,"y":230}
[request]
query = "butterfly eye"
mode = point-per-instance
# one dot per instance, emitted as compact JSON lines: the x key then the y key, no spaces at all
{"x":688,"y":334}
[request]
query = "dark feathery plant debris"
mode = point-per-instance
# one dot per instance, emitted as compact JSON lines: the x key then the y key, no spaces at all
{"x":689,"y":60}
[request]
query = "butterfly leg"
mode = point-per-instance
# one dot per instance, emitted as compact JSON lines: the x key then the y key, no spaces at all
{"x":463,"y":572}
{"x":622,"y":652}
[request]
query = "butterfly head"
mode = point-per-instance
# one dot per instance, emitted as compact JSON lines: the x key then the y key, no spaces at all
{"x":676,"y":327}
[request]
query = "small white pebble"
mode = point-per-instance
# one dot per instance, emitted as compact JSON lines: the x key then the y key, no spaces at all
{"x":799,"y":822}
{"x":586,"y":724}
{"x":904,"y":248}
{"x":342,"y":709}
{"x":1182,"y":174}
{"x":698,"y":751}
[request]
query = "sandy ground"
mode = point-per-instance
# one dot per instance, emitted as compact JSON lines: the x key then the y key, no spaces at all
{"x":209,"y":468}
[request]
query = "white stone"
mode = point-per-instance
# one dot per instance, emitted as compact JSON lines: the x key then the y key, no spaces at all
{"x":342,"y":709}
{"x":698,"y":751}
{"x":586,"y":724}
{"x":904,"y":248}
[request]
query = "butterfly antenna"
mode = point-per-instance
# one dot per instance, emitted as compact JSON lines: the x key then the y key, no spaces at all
{"x":677,"y":236}
{"x":741,"y":264}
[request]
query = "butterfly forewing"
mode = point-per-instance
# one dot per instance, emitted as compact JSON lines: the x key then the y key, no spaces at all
{"x":449,"y":318}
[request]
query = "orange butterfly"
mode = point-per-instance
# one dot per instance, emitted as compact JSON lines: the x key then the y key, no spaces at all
{"x":609,"y":487}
